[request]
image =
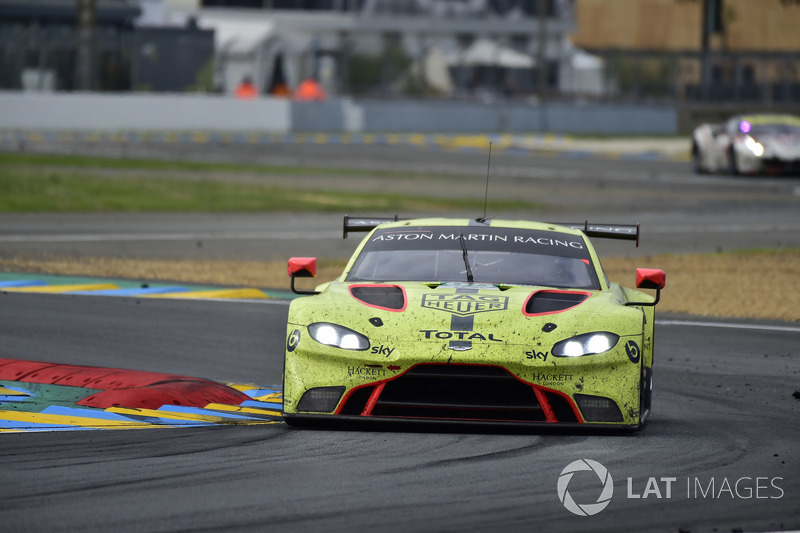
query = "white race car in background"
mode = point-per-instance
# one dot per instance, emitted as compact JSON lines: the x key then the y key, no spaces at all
{"x":748,"y":144}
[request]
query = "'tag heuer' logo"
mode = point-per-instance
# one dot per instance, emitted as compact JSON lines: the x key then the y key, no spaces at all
{"x":464,"y":304}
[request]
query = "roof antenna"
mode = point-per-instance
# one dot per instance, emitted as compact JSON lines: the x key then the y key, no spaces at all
{"x":486,"y":194}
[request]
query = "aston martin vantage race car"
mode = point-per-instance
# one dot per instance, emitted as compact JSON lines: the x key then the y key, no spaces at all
{"x":477,"y":321}
{"x":748,"y":144}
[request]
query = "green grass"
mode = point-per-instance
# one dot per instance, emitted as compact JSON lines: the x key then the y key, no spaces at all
{"x":88,"y":162}
{"x":34,"y":183}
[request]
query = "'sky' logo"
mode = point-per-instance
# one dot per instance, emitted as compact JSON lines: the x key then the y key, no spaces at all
{"x":464,"y":304}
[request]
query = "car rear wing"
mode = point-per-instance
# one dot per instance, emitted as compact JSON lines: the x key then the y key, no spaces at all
{"x":363,"y":224}
{"x":628,"y":232}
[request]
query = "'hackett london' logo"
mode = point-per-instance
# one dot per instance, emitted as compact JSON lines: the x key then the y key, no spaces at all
{"x":464,"y":304}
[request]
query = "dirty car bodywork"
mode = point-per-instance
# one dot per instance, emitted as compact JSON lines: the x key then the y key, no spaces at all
{"x":477,"y":321}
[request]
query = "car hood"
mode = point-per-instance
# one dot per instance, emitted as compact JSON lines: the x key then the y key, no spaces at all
{"x":780,"y":146}
{"x":421,"y":312}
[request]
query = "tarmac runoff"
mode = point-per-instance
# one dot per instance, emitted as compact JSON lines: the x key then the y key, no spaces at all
{"x":37,"y":396}
{"x":555,"y":145}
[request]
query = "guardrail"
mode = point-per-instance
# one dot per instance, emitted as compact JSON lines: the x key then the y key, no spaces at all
{"x":179,"y":112}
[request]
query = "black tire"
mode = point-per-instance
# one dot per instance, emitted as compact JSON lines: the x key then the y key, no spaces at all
{"x":293,"y":422}
{"x":645,"y":394}
{"x":697,"y":164}
{"x":733,"y":167}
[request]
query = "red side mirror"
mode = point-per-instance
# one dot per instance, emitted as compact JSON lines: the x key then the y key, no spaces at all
{"x":303,"y":267}
{"x":650,"y":278}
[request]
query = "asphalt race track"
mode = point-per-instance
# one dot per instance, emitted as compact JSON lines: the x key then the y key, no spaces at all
{"x":723,"y":414}
{"x":678,"y":210}
{"x":719,"y":452}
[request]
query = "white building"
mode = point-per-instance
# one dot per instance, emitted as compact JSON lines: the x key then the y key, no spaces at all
{"x":276,"y":41}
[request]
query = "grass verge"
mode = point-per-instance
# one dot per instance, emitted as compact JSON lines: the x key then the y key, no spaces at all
{"x":31,"y":184}
{"x":21,"y":160}
{"x":753,"y":284}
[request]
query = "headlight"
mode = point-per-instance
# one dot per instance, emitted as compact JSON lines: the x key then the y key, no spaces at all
{"x":586,"y":344}
{"x":339,"y":336}
{"x":754,"y":146}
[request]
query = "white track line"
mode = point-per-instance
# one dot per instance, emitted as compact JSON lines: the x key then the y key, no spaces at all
{"x":170,"y":236}
{"x":761,"y":327}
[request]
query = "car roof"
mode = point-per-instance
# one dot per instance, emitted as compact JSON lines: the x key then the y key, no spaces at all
{"x":765,"y":118}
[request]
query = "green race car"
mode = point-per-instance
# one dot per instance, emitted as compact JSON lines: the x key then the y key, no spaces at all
{"x":472,"y":320}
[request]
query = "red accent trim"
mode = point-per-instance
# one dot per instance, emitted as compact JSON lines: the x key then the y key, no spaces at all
{"x":650,"y":278}
{"x":537,"y":389}
{"x":303,"y":267}
{"x":349,"y":393}
{"x":548,"y":411}
{"x":405,"y":297}
{"x":534,"y":293}
{"x":373,"y":399}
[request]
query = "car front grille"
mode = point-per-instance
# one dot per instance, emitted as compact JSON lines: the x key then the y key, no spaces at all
{"x":459,"y":392}
{"x":783,"y":166}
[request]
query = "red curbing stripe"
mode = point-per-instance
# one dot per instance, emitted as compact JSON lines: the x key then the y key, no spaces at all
{"x":17,"y":370}
{"x":89,"y":377}
{"x":68,"y":375}
{"x":124,"y":388}
{"x":186,"y":393}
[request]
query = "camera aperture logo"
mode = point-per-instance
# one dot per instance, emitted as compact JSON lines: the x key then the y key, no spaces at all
{"x":586,"y":509}
{"x":664,"y":487}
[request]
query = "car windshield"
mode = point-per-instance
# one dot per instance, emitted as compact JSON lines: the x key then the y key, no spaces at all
{"x":479,"y":254}
{"x":775,"y":129}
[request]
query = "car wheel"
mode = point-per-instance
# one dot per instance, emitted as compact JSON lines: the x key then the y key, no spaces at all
{"x":293,"y":422}
{"x":283,"y":388}
{"x":733,"y":165}
{"x":697,"y":161}
{"x":645,"y":394}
